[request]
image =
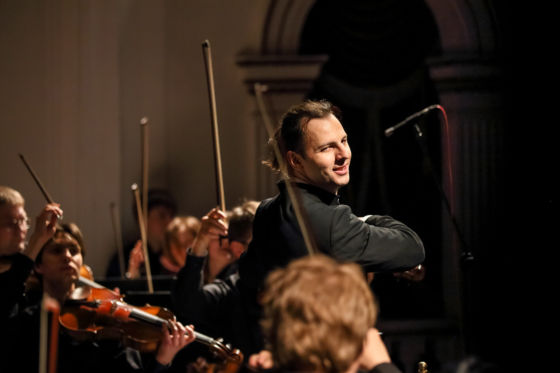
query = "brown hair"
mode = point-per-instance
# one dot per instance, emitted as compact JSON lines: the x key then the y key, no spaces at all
{"x":240,"y":221}
{"x":70,"y":229}
{"x":317,"y":313}
{"x":290,"y":134}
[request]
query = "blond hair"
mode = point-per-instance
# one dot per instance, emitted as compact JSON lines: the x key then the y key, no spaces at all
{"x":9,"y":196}
{"x":317,"y":313}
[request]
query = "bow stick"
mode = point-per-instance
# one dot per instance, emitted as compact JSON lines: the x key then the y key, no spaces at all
{"x":144,"y":237}
{"x":214,"y":116}
{"x":117,"y":232}
{"x":38,"y":182}
{"x":145,"y":161}
{"x":299,"y":212}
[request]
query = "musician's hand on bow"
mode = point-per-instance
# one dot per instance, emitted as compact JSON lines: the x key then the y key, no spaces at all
{"x":415,"y":274}
{"x":45,"y":227}
{"x":212,"y":226}
{"x":261,"y":361}
{"x":135,"y":260}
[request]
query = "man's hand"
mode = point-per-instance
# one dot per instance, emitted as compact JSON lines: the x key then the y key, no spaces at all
{"x":212,"y":226}
{"x":172,"y":342}
{"x":45,"y":227}
{"x":415,"y":274}
{"x":135,"y":260}
{"x":261,"y":361}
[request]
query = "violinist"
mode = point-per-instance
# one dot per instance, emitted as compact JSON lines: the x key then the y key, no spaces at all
{"x":205,"y":292}
{"x":57,"y":267}
{"x":16,"y":257}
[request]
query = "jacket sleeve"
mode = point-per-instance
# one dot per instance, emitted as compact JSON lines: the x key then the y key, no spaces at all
{"x":199,"y":303}
{"x":378,"y":243}
{"x":12,"y":284}
{"x":187,"y":289}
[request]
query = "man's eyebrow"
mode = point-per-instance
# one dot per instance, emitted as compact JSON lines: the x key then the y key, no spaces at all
{"x":331,"y":142}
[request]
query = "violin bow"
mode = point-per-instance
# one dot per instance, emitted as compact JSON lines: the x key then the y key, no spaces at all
{"x":310,"y":243}
{"x":145,"y":162}
{"x":48,"y":352}
{"x":214,"y":116}
{"x":117,"y":232}
{"x":144,"y":237}
{"x":37,"y":181}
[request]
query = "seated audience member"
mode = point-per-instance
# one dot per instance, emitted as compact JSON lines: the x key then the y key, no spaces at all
{"x":319,"y":316}
{"x":57,"y":267}
{"x":161,"y":210}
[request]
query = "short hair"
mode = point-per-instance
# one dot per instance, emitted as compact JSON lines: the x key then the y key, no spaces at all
{"x":290,"y":134}
{"x":317,"y":313}
{"x":158,"y":197}
{"x":70,"y":229}
{"x":10,"y":196}
{"x":240,"y":221}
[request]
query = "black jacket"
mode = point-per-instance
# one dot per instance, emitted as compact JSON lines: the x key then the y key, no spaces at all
{"x":377,"y":243}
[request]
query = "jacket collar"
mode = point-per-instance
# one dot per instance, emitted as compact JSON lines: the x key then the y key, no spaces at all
{"x":325,"y":196}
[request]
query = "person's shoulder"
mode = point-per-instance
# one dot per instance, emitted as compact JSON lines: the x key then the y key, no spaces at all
{"x":17,"y":262}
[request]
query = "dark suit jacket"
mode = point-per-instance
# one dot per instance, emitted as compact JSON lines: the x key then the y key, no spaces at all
{"x":377,"y":243}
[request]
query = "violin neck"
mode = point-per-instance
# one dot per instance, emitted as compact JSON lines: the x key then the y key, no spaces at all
{"x":144,"y":316}
{"x":141,"y":315}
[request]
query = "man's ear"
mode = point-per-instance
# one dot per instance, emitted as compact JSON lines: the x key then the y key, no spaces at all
{"x":293,"y":160}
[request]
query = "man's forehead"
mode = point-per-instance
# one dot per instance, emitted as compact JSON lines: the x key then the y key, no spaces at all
{"x":324,"y":129}
{"x":9,"y":211}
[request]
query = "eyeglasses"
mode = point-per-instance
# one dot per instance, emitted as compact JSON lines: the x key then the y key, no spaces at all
{"x":21,"y":223}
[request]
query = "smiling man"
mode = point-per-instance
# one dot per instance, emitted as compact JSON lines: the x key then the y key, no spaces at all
{"x":316,"y":151}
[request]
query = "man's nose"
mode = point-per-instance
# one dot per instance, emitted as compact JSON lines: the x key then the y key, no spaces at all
{"x":343,"y":152}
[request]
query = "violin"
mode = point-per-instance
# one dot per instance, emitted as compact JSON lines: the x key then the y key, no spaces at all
{"x":96,"y":312}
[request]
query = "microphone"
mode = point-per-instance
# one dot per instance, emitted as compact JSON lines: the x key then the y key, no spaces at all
{"x":389,"y":131}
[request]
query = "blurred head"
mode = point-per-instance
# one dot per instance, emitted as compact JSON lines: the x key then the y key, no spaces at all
{"x":240,"y":227}
{"x":179,"y":236}
{"x":317,"y":313}
{"x":60,"y":260}
{"x":314,"y":145}
{"x":161,"y":210}
{"x":14,"y":223}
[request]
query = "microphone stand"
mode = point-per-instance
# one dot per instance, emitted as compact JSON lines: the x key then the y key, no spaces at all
{"x":467,"y":257}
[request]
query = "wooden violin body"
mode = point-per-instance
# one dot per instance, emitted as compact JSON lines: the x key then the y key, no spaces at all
{"x":96,"y":312}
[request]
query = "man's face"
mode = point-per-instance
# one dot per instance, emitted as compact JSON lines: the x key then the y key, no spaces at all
{"x":327,"y":155}
{"x":13,"y":229}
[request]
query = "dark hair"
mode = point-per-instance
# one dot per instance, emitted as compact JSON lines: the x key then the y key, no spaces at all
{"x":72,"y":230}
{"x":290,"y":134}
{"x":158,"y":197}
{"x":240,"y":221}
